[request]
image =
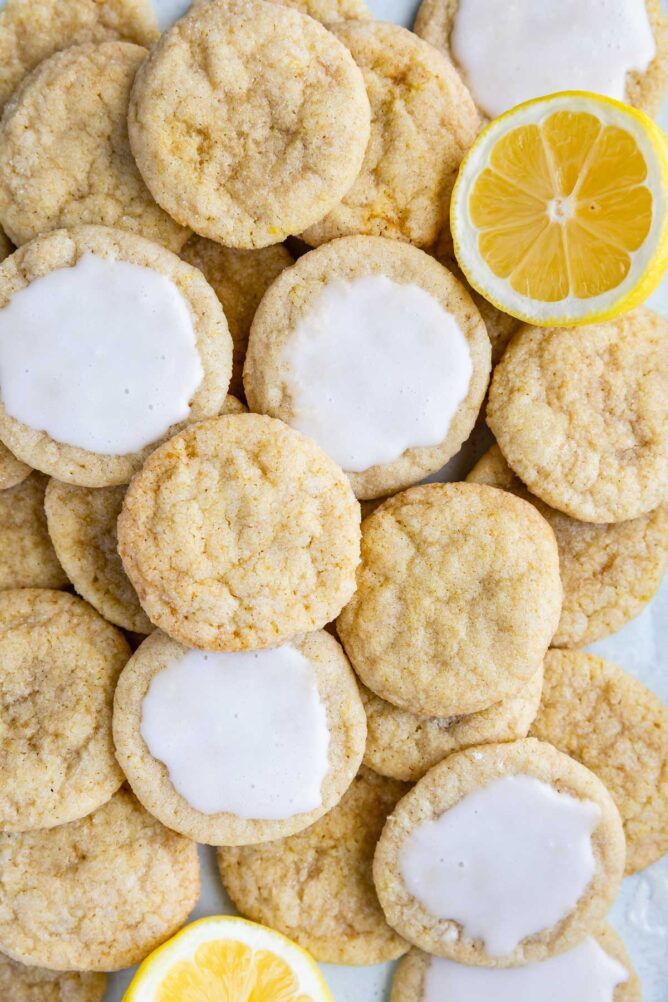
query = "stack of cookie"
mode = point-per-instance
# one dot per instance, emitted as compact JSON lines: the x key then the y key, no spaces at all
{"x":384,"y":725}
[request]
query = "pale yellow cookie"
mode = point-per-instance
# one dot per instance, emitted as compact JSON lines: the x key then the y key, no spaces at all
{"x":327,"y":11}
{"x":248,"y":121}
{"x":316,"y":887}
{"x":19,"y":983}
{"x":12,"y":470}
{"x":27,"y":556}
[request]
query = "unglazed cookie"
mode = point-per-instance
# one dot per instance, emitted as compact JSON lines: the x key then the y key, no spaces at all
{"x":458,"y":596}
{"x":64,"y":150}
{"x":359,"y":277}
{"x":96,"y":894}
{"x":583,"y":419}
{"x":60,"y":664}
{"x":316,"y":887}
{"x":93,"y":249}
{"x":327,"y":11}
{"x":12,"y":470}
{"x":240,"y":533}
{"x":423,"y":122}
{"x":20,"y":983}
{"x":530,"y":877}
{"x":609,"y":721}
{"x":240,"y":279}
{"x":609,"y":572}
{"x":248,"y":122}
{"x":27,"y":556}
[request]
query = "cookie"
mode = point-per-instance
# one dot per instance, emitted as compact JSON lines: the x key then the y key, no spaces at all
{"x":458,"y":595}
{"x":19,"y":983}
{"x":609,"y":721}
{"x":64,"y":149}
{"x":316,"y":887}
{"x":327,"y":11}
{"x":240,"y":279}
{"x":131,"y":342}
{"x":12,"y":470}
{"x":97,"y":894}
{"x":27,"y":556}
{"x":608,"y":572}
{"x":501,"y":855}
{"x":329,"y":324}
{"x":248,"y":122}
{"x":582,"y":419}
{"x":423,"y":121}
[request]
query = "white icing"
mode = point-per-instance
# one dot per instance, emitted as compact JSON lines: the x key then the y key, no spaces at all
{"x":375,"y":367}
{"x":101,"y":356}
{"x":507,"y":861}
{"x":584,"y":974}
{"x":537,"y":47}
{"x":242,"y":733}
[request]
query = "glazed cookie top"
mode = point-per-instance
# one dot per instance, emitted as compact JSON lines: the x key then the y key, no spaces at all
{"x":329,"y":355}
{"x":501,"y":855}
{"x":60,"y":664}
{"x":248,"y":121}
{"x":131,"y":342}
{"x":96,"y":894}
{"x":64,"y":149}
{"x":583,"y":421}
{"x":208,"y":740}
{"x":240,"y":533}
{"x":34,"y":984}
{"x":458,"y":595}
{"x":27,"y":556}
{"x":423,"y":121}
{"x":609,"y":721}
{"x":316,"y":887}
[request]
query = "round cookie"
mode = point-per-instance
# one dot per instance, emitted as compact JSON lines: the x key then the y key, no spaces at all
{"x":65,"y":159}
{"x":327,"y":11}
{"x":458,"y":596}
{"x":19,"y":983}
{"x":609,"y":721}
{"x":63,"y":249}
{"x":447,"y":786}
{"x":582,"y":419}
{"x":240,"y":279}
{"x":296,"y":293}
{"x":608,"y":572}
{"x":316,"y":887}
{"x":239,"y":533}
{"x":97,"y":894}
{"x":27,"y":556}
{"x":60,"y":664}
{"x":423,"y":121}
{"x":248,"y":122}
{"x":12,"y":470}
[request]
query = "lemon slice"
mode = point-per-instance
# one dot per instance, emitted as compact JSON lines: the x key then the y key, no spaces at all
{"x":559,"y":213}
{"x":227,"y":959}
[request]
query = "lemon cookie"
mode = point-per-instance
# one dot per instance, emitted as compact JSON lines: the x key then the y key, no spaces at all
{"x":423,"y":122}
{"x":240,"y":279}
{"x":327,"y":11}
{"x":373,"y":349}
{"x":27,"y":556}
{"x":501,"y":855}
{"x":97,"y":894}
{"x":248,"y":121}
{"x":609,"y":721}
{"x":19,"y":983}
{"x":109,"y":343}
{"x":458,"y":595}
{"x":608,"y":572}
{"x":64,"y":150}
{"x":581,"y":415}
{"x":12,"y":470}
{"x":316,"y":887}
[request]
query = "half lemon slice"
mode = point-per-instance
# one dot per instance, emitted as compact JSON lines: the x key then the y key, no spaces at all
{"x":559,"y":215}
{"x":227,"y":958}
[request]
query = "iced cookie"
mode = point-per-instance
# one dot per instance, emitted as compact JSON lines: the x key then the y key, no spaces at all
{"x":619,"y":50}
{"x":208,"y":741}
{"x":423,"y":121}
{"x":109,"y":344}
{"x":64,"y":150}
{"x":60,"y":664}
{"x":458,"y":596}
{"x":609,"y":721}
{"x":316,"y":887}
{"x":501,"y":855}
{"x":27,"y":556}
{"x":19,"y":983}
{"x":609,"y":572}
{"x":248,"y":122}
{"x":581,"y":415}
{"x":96,"y":894}
{"x":374,"y":350}
{"x":240,"y":279}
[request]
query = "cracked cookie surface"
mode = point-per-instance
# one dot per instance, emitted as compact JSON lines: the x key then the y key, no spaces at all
{"x":327,"y":11}
{"x":27,"y":556}
{"x":19,"y":983}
